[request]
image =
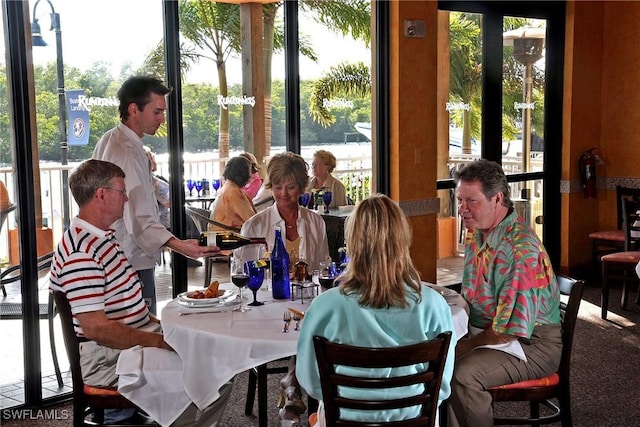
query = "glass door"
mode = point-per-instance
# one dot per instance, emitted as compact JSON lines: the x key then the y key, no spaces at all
{"x":505,"y":81}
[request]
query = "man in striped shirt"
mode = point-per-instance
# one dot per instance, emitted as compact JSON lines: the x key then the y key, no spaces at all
{"x":103,"y":289}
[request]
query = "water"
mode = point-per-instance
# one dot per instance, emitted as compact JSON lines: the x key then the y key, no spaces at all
{"x":351,"y":156}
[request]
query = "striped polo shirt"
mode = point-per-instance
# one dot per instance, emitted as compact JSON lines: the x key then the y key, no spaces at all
{"x":91,"y":269}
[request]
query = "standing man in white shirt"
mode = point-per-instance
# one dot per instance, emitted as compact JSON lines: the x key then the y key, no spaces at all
{"x":140,"y":232}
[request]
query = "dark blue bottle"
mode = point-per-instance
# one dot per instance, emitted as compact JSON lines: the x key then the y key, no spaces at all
{"x":280,"y":268}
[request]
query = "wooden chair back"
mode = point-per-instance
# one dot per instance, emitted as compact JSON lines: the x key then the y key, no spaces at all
{"x":432,"y":353}
{"x":631,"y":222}
{"x":624,"y":193}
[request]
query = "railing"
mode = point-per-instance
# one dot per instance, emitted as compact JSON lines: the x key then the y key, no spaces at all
{"x":354,"y":172}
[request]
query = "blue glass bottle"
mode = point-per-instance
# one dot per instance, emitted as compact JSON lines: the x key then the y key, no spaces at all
{"x":280,"y":268}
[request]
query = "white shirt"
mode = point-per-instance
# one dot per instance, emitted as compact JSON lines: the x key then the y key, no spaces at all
{"x":139,"y":231}
{"x":314,"y":246}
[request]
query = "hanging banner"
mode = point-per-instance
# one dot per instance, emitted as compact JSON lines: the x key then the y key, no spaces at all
{"x":78,"y":114}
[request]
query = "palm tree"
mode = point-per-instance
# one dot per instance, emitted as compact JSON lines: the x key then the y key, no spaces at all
{"x":215,"y":27}
{"x":341,"y":79}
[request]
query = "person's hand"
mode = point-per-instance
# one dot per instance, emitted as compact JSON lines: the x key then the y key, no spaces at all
{"x":191,"y":248}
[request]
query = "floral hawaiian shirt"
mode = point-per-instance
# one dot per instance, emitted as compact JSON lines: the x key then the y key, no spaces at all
{"x":508,"y":280}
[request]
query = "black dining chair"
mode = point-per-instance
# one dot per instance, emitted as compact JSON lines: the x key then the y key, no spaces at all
{"x":621,"y":265}
{"x":89,"y":402}
{"x":604,"y":242}
{"x":552,"y":388}
{"x":201,"y":219}
{"x":12,"y":309}
{"x":329,"y":355}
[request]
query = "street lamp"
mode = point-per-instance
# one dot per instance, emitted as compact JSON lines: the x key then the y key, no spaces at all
{"x":37,"y":40}
{"x":527,"y":45}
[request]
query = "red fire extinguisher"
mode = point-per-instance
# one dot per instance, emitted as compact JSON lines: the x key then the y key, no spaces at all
{"x":587,"y":163}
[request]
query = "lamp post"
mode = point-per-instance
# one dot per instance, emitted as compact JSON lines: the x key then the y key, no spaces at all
{"x":527,"y":45}
{"x":37,"y":40}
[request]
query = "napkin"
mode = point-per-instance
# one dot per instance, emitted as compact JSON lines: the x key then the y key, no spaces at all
{"x":162,"y":370}
{"x":513,"y":348}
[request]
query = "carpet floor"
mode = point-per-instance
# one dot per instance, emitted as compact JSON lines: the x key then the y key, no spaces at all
{"x":604,"y":382}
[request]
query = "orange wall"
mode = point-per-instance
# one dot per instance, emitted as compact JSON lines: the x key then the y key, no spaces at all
{"x":601,"y":109}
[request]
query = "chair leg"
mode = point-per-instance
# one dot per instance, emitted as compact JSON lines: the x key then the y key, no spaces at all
{"x":52,"y":341}
{"x":4,"y":291}
{"x":625,"y":292}
{"x":594,"y":261}
{"x":604,"y":300}
{"x":534,"y":408}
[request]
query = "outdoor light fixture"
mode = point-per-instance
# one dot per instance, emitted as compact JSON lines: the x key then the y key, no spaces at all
{"x":528,"y":43}
{"x":37,"y":40}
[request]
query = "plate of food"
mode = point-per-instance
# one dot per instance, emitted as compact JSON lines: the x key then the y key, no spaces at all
{"x":208,"y":296}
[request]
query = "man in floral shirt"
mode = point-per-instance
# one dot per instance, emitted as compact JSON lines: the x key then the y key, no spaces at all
{"x":513,"y":295}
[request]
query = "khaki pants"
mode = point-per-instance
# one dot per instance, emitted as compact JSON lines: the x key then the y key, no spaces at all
{"x":480,"y":369}
{"x":98,"y":363}
{"x":210,"y":416}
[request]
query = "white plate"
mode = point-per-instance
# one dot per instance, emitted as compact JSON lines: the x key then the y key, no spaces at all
{"x":185,"y":298}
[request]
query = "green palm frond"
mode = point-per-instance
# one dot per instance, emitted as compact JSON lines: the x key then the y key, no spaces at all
{"x":342,"y":79}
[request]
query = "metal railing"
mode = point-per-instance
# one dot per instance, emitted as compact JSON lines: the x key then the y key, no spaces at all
{"x":354,"y":172}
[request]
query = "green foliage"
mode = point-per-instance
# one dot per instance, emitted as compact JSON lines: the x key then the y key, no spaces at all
{"x":341,"y":80}
{"x":200,"y":114}
{"x":466,"y":77}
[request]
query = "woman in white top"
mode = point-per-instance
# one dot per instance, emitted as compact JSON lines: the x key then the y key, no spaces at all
{"x":305,"y":238}
{"x":322,"y":165}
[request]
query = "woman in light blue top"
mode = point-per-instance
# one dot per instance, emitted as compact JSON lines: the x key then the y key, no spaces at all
{"x":380,"y":302}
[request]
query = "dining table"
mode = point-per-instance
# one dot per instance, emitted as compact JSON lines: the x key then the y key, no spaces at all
{"x":212,"y":345}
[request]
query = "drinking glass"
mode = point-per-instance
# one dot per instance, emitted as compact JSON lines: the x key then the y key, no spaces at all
{"x":216,"y":185}
{"x":326,"y":198}
{"x":198,"y":187}
{"x":304,"y":200}
{"x":328,"y":273}
{"x":265,"y":256}
{"x":240,"y":278}
{"x":256,"y":276}
{"x":191,"y":184}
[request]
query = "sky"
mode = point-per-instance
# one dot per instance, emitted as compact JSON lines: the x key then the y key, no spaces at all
{"x":121,"y":31}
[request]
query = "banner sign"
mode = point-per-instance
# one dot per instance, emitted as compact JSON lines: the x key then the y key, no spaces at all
{"x":78,"y":114}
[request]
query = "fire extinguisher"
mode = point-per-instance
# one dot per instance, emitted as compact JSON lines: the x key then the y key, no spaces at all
{"x":587,"y":163}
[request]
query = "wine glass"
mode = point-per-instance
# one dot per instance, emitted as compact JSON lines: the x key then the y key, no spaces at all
{"x":191,"y":184}
{"x":328,"y":273}
{"x":256,"y":276}
{"x":216,"y":184}
{"x":326,"y":198}
{"x":198,"y":187}
{"x":304,"y":199}
{"x":239,"y":278}
{"x":265,"y":257}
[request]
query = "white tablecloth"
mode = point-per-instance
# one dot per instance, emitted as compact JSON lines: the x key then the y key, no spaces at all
{"x":214,"y":347}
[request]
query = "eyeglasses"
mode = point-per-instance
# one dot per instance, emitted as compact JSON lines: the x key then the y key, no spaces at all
{"x":123,"y":192}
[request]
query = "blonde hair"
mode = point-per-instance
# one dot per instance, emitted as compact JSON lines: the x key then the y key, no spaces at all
{"x":287,"y":166}
{"x":255,"y":167}
{"x":327,"y":158}
{"x":380,"y":269}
